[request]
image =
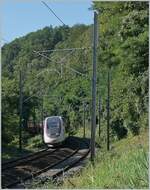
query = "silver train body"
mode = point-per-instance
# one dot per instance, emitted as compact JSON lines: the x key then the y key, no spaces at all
{"x":54,"y":131}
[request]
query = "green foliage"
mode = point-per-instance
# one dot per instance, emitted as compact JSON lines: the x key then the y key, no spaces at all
{"x":10,"y":128}
{"x":50,"y":84}
{"x":30,"y":144}
{"x":35,"y":142}
{"x":119,"y":129}
{"x":123,"y":48}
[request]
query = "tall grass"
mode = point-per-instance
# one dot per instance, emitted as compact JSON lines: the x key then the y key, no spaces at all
{"x":125,"y":166}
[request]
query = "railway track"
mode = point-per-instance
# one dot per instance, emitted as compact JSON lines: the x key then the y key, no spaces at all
{"x":16,"y":172}
{"x":32,"y":156}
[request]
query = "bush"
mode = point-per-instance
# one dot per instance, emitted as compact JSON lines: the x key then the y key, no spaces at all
{"x":10,"y":128}
{"x":119,"y":129}
{"x":134,"y":127}
{"x":35,"y":142}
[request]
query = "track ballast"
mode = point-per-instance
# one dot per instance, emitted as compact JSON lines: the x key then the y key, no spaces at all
{"x":62,"y":158}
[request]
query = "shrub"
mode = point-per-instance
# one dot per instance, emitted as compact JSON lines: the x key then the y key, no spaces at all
{"x":119,"y":129}
{"x":35,"y":142}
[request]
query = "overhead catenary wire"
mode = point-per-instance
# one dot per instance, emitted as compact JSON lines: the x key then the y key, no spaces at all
{"x":42,"y":55}
{"x":3,"y":39}
{"x":53,"y":13}
{"x":51,"y":59}
{"x":61,"y":61}
{"x":46,"y":70}
{"x":44,"y":87}
{"x":74,"y":70}
{"x":35,"y":95}
{"x":55,"y":71}
{"x":65,"y":49}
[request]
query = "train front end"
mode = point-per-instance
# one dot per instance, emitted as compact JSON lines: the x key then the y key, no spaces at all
{"x":54,"y":132}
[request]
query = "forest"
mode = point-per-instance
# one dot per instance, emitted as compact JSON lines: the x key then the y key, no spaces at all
{"x":59,"y":82}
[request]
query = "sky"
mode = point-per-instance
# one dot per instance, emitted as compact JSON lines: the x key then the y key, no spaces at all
{"x":20,"y":17}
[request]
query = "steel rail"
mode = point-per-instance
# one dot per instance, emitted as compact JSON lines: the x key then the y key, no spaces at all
{"x":29,"y":158}
{"x":71,"y":165}
{"x":34,"y":174}
{"x":40,"y":171}
{"x":24,"y":157}
{"x":57,"y":162}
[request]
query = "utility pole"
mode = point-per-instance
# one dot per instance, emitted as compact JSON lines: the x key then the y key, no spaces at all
{"x":42,"y":115}
{"x":93,"y":120}
{"x":108,"y":110}
{"x":61,"y":69}
{"x":99,"y":111}
{"x":34,"y":118}
{"x":20,"y":110}
{"x":84,"y":119}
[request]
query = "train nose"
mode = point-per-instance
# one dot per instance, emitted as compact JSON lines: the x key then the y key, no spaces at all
{"x":54,"y":140}
{"x":53,"y":132}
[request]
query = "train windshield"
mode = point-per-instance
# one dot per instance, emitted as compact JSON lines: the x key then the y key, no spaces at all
{"x":53,"y":126}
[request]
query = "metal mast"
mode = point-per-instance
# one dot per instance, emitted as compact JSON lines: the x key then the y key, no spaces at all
{"x":93,"y":121}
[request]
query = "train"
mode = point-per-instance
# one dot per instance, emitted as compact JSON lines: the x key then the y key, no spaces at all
{"x":53,"y":131}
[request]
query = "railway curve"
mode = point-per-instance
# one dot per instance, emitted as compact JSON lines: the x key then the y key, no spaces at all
{"x":55,"y":162}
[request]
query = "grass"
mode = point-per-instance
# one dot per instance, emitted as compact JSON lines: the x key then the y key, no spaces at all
{"x":115,"y":171}
{"x":125,"y":166}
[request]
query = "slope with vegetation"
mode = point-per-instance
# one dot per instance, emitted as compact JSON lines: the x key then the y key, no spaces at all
{"x":125,"y":166}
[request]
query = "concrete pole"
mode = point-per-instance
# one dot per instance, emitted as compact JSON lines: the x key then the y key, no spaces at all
{"x":108,"y":110}
{"x":20,"y":110}
{"x":84,"y":119}
{"x":61,"y":69}
{"x":99,"y":111}
{"x":93,"y":120}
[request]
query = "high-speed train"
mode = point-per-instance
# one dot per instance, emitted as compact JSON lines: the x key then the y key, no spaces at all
{"x":54,"y":131}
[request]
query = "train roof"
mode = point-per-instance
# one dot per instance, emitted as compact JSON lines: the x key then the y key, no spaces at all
{"x":50,"y":117}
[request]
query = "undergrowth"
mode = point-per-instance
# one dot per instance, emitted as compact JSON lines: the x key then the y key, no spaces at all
{"x":29,"y":145}
{"x":124,"y":166}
